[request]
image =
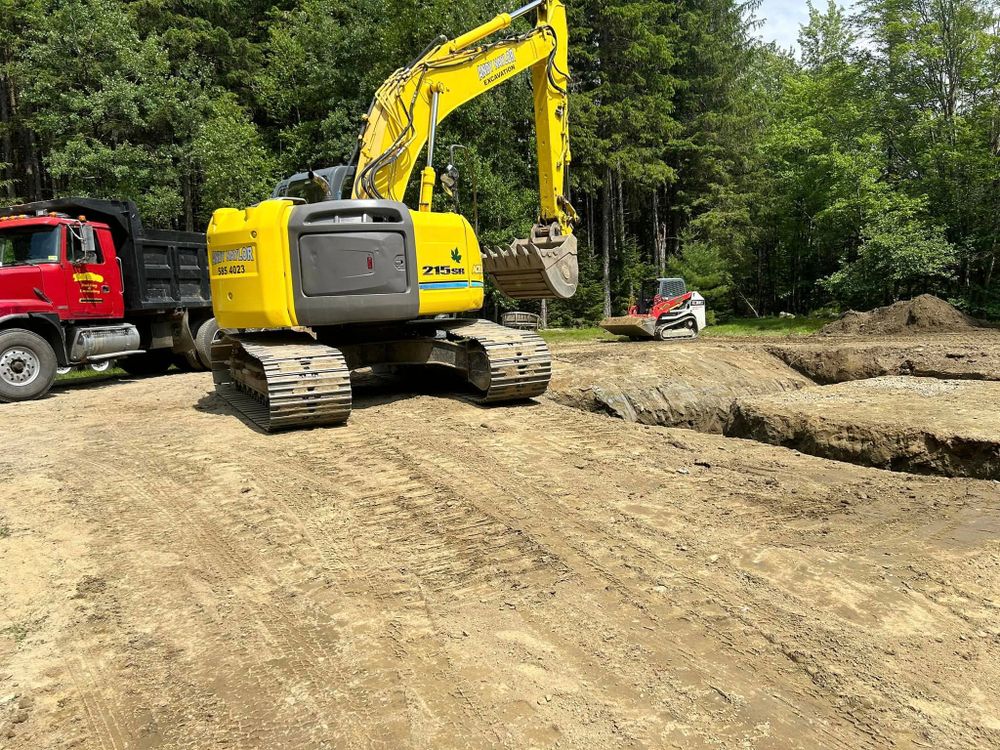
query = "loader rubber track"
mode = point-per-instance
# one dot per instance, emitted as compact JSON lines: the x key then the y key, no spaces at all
{"x":281,"y":383}
{"x":505,"y":364}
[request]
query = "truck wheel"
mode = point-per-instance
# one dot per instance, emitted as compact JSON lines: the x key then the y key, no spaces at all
{"x":155,"y":362}
{"x":27,"y":366}
{"x":208,"y":333}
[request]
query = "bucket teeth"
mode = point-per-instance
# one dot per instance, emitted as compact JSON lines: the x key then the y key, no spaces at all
{"x":543,"y":266}
{"x":282,"y":383}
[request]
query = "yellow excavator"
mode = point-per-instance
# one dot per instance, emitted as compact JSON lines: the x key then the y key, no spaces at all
{"x":334,"y":273}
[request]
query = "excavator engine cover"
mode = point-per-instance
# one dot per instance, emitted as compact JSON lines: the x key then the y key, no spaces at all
{"x":542,"y":266}
{"x":280,"y":264}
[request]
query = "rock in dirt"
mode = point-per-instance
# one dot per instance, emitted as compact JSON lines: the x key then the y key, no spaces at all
{"x":925,"y":313}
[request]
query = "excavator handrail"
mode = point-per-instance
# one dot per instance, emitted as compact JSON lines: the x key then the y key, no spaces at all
{"x":407,"y":108}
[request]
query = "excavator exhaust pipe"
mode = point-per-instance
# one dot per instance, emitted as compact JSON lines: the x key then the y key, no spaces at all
{"x":544,"y":266}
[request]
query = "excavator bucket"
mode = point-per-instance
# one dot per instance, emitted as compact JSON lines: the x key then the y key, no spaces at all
{"x":541,"y":267}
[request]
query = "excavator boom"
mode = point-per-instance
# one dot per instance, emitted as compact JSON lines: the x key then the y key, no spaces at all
{"x":407,"y":108}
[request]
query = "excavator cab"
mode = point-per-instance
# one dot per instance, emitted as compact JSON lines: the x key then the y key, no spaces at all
{"x":315,"y":186}
{"x":544,"y":265}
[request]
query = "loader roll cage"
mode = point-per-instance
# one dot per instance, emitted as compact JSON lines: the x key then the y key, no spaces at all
{"x":654,"y":291}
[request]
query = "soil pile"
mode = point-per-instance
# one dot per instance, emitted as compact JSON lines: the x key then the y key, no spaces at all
{"x":692,"y":386}
{"x":925,"y":313}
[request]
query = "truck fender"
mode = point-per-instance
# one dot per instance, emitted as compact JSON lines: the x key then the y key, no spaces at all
{"x":46,"y":325}
{"x":183,"y":335}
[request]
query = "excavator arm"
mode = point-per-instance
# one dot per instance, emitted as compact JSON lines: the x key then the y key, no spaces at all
{"x":407,"y":108}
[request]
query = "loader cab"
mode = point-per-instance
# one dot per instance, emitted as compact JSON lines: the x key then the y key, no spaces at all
{"x":653,"y":291}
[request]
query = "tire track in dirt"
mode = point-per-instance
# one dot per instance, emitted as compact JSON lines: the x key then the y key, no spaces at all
{"x":437,"y":574}
{"x":859,"y":713}
{"x":594,"y":442}
{"x":299,"y":482}
{"x":285,"y":646}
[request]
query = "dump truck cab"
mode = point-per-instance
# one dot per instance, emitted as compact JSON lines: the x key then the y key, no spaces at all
{"x":58,"y":266}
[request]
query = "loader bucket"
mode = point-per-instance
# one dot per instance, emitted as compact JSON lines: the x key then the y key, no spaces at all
{"x":630,"y":325}
{"x":540,"y":267}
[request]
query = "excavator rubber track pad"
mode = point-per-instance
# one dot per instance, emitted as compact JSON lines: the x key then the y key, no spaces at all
{"x":535,"y":268}
{"x":505,"y":364}
{"x":282,"y":383}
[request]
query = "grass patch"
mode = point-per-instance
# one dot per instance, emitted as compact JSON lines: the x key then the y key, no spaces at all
{"x":18,"y":631}
{"x":557,"y":335}
{"x":87,"y":374}
{"x":4,"y":530}
{"x":766,"y":327}
{"x":736,"y":327}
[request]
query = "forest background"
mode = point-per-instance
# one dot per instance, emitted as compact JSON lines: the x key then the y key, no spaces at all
{"x":860,"y":169}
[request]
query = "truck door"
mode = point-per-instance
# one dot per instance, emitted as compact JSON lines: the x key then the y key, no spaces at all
{"x":29,"y":254}
{"x":93,"y":278}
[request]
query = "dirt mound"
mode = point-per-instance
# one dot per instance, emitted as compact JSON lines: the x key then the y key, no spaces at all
{"x":920,"y":314}
{"x":692,"y":386}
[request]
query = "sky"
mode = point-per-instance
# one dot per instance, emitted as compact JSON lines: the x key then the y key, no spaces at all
{"x":781,"y":20}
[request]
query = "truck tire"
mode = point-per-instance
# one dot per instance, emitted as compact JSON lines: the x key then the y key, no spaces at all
{"x":208,"y":333}
{"x":155,"y":362}
{"x":27,"y":365}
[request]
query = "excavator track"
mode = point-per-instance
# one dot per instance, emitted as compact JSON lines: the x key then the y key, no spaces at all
{"x":281,"y":383}
{"x":504,"y":364}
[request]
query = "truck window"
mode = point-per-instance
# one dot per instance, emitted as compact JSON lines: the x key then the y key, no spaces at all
{"x":29,"y":245}
{"x":82,"y":245}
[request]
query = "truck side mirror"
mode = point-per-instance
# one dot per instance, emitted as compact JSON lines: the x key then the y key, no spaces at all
{"x":89,"y":244}
{"x":81,"y":244}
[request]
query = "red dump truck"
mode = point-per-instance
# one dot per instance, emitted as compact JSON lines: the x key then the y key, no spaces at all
{"x":82,"y":282}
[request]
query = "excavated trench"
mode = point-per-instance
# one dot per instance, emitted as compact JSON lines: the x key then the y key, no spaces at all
{"x":910,"y":405}
{"x":691,"y":385}
{"x":917,"y":425}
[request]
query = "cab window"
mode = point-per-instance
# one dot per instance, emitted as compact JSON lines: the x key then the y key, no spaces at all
{"x":29,"y":245}
{"x":82,"y":245}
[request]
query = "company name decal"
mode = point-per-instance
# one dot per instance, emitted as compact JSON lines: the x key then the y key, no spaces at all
{"x":502,"y":64}
{"x":88,"y":276}
{"x":243,"y":254}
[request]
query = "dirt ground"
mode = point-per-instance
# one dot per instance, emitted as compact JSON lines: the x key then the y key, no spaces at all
{"x":920,"y":425}
{"x":690,"y":384}
{"x":974,"y":356}
{"x":436,"y":574}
